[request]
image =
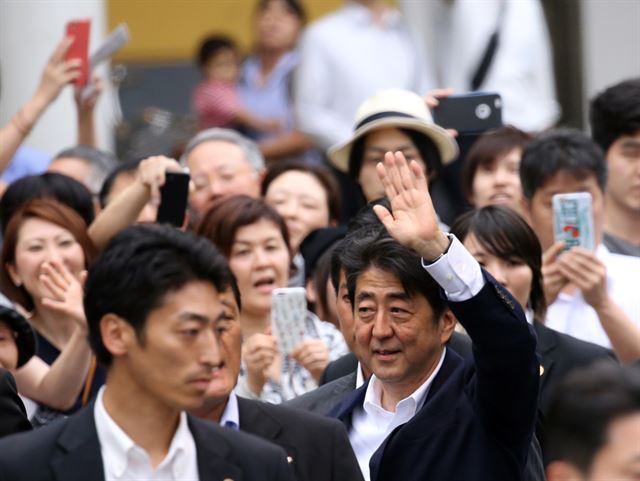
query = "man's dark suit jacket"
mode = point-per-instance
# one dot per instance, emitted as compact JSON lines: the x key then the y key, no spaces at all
{"x":13,"y":417}
{"x":478,"y":419}
{"x":69,"y":450}
{"x":318,"y":446}
{"x":560,"y":354}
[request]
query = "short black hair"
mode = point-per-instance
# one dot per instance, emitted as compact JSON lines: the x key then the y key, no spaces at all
{"x":558,"y":150}
{"x":380,"y":250}
{"x":139,"y":267}
{"x":51,"y":185}
{"x":294,"y":6}
{"x":615,"y":112}
{"x":427,"y":148}
{"x":503,"y":233}
{"x":583,"y":407}
{"x":211,"y":46}
{"x":107,"y":185}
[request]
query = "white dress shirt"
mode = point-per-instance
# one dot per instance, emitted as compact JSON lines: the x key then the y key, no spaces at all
{"x":345,"y":58}
{"x":123,"y":459}
{"x":371,"y":423}
{"x":571,"y":314}
{"x":459,"y":274}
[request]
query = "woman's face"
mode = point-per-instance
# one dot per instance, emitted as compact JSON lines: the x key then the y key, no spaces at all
{"x":8,"y":347}
{"x":302,"y":202}
{"x":40,"y":242}
{"x":260,"y":261}
{"x":277,"y":27}
{"x":499,"y":182}
{"x":376,"y":144}
{"x":514,"y":274}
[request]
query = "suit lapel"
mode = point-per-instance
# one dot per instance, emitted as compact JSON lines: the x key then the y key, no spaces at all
{"x":78,"y":455}
{"x":344,"y":409}
{"x":212,"y":452}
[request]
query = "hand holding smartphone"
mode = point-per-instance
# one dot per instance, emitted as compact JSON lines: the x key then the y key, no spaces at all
{"x":474,"y":112}
{"x":573,"y":220}
{"x":288,"y":314}
{"x":79,"y":49}
{"x":173,"y":199}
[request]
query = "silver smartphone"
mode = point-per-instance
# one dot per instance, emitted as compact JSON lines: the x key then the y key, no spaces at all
{"x":573,"y":220}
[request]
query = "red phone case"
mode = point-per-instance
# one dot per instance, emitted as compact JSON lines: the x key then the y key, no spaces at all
{"x":79,"y":30}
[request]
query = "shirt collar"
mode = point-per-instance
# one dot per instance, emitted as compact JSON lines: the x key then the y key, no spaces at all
{"x":360,"y":380}
{"x":119,"y":445}
{"x":231,"y":416}
{"x":406,"y":407}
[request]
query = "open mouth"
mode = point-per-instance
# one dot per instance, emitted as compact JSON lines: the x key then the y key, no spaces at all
{"x":265,"y":284}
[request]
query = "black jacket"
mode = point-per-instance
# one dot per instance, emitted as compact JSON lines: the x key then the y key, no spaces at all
{"x":318,"y":447}
{"x":69,"y":450}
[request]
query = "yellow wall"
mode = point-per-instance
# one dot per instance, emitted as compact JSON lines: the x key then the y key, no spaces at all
{"x":164,"y":30}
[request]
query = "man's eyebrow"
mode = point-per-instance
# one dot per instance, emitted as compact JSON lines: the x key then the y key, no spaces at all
{"x":631,"y":143}
{"x":400,"y":296}
{"x":363,"y":296}
{"x":193,"y":316}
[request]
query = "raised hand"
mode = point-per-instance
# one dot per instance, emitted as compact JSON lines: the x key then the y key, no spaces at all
{"x":414,"y":222}
{"x":259,"y":352}
{"x":152,"y":173}
{"x":65,"y":291}
{"x":313,"y":354}
{"x":57,"y":72}
{"x":583,"y":269}
{"x":553,"y":278}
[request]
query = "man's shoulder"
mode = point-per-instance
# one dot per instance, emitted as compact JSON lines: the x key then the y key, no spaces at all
{"x":322,"y":399}
{"x":240,"y":443}
{"x":570,"y":347}
{"x":291,"y":417}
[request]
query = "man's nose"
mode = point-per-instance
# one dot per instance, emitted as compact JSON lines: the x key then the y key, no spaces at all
{"x":209,"y":349}
{"x":382,"y":325}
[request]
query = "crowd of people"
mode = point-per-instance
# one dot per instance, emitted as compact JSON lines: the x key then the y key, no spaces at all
{"x":486,"y":349}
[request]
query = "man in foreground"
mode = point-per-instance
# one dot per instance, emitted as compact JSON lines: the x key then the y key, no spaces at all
{"x":425,"y":413}
{"x":151,"y":300}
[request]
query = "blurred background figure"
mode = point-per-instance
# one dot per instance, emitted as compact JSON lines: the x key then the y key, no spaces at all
{"x":267,"y":79}
{"x":458,"y":35}
{"x":215,"y":101}
{"x":307,"y":197}
{"x":608,"y":445}
{"x":491,"y":172}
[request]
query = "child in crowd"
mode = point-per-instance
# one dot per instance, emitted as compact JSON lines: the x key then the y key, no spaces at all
{"x":215,"y":100}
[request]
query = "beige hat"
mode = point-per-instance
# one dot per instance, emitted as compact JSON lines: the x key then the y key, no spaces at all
{"x":395,"y":108}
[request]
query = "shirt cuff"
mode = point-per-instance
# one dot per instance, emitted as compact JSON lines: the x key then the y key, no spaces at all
{"x":457,"y":272}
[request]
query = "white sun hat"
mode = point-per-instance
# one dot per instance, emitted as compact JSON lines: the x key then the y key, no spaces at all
{"x":394,"y":108}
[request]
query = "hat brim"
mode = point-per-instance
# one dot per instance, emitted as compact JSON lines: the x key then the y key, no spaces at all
{"x":445,"y":143}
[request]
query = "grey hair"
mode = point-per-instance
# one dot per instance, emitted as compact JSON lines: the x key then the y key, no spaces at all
{"x":101,"y":162}
{"x":248,"y":146}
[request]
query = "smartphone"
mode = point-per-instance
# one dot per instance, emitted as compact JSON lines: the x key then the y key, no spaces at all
{"x":474,"y":112}
{"x":173,"y":199}
{"x":79,"y":30}
{"x":288,"y":314}
{"x":573,"y":220}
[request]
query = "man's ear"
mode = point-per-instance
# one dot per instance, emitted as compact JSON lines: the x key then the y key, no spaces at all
{"x":448,"y":323}
{"x":563,"y":471}
{"x":117,"y":335}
